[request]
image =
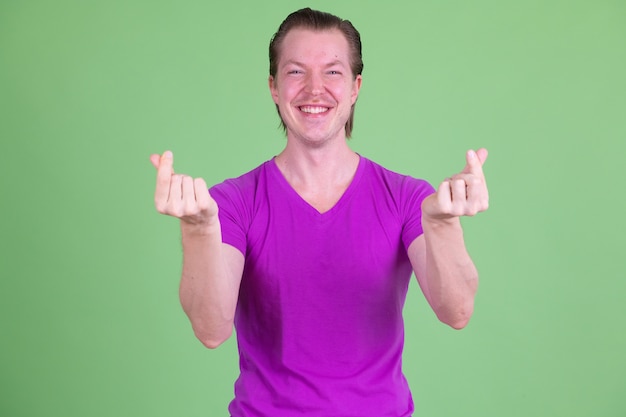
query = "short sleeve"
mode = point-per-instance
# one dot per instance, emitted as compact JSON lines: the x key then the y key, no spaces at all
{"x":232,"y":214}
{"x":414,"y":191}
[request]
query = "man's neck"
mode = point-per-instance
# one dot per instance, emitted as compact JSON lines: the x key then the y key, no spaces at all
{"x":321,"y":167}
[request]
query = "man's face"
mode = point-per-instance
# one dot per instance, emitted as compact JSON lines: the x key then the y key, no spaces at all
{"x":314,"y":87}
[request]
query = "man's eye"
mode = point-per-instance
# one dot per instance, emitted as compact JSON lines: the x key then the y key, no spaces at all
{"x":294,"y":72}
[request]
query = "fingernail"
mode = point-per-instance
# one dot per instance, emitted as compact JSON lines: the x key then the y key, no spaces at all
{"x":471,"y":153}
{"x":168,"y":154}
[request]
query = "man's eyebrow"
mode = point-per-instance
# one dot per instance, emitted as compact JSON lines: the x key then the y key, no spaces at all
{"x":300,"y":64}
{"x":335,"y":62}
{"x":292,"y":62}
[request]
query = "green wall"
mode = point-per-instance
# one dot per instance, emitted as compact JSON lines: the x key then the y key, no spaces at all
{"x":90,"y":319}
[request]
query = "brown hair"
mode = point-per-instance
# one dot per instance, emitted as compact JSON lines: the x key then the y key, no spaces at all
{"x":316,"y":20}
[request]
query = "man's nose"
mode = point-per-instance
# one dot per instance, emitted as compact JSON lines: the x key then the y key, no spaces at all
{"x":314,"y":83}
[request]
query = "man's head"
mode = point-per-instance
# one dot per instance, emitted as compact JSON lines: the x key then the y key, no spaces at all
{"x":318,"y":21}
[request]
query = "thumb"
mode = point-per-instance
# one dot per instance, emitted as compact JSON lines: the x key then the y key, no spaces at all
{"x":475,"y":161}
{"x":163,"y":163}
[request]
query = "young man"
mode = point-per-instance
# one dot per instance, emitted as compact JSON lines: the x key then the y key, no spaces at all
{"x":310,"y":254}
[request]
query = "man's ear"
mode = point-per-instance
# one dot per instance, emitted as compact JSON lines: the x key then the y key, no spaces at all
{"x":271,"y":81}
{"x":356,"y":87}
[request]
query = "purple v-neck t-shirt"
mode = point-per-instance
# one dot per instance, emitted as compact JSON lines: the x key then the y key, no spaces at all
{"x":319,"y":318}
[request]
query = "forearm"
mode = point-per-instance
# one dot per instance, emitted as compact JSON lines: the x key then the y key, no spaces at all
{"x":211,"y":274}
{"x":442,"y":265}
{"x":208,"y":287}
{"x":450,"y":274}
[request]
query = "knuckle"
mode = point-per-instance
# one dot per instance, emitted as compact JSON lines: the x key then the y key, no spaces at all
{"x":204,"y":205}
{"x":176,"y":212}
{"x":160,"y":205}
{"x":456,"y":210}
{"x":190,"y":210}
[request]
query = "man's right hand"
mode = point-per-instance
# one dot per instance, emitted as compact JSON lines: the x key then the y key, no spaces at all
{"x":182,"y":196}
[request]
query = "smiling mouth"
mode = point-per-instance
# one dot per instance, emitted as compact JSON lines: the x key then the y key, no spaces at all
{"x":313,"y":109}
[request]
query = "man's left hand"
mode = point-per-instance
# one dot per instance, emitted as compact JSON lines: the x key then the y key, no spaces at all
{"x":463,"y":194}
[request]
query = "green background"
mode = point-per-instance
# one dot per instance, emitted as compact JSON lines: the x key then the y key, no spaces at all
{"x":90,"y":319}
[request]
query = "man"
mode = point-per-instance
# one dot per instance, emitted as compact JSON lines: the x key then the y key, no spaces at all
{"x":310,"y":254}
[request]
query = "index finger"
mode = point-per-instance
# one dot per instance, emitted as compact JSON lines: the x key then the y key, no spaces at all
{"x":164,"y":176}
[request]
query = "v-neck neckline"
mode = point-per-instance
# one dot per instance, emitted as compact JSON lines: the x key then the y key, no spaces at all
{"x":294,"y":195}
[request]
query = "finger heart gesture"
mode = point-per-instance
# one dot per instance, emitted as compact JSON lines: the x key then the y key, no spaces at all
{"x":181,"y":196}
{"x":463,"y":194}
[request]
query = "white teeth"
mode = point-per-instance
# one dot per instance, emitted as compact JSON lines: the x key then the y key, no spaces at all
{"x":313,"y":109}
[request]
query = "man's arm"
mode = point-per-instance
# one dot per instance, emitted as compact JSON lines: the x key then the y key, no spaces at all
{"x":439,"y":257}
{"x":212,"y":270}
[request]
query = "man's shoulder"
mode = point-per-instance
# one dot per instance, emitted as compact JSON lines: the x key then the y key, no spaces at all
{"x":390,"y":177}
{"x":244,"y":182}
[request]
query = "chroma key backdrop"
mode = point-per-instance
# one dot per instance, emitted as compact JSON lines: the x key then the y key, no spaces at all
{"x":90,"y":319}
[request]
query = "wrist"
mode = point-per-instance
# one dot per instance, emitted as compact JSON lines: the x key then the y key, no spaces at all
{"x":203,"y":229}
{"x":438,"y":222}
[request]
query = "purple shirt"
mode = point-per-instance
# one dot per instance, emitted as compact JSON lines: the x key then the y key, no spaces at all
{"x":319,"y":318}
